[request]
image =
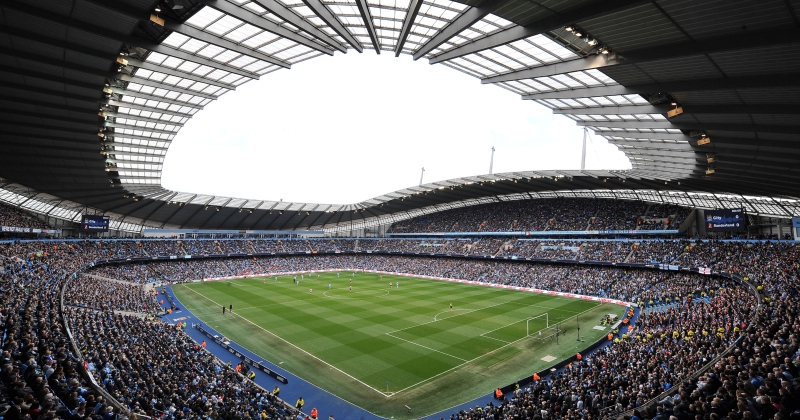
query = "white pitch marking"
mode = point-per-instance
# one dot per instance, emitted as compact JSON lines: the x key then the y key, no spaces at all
{"x":298,"y":348}
{"x":447,"y":312}
{"x":426,"y":347}
{"x":472,"y":360}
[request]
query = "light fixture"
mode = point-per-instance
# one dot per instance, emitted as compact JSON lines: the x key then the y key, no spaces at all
{"x":158,"y":9}
{"x":591,"y":41}
{"x":578,"y":34}
{"x":569,"y":28}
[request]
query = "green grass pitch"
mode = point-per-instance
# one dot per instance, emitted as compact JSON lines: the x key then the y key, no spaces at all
{"x":352,"y":343}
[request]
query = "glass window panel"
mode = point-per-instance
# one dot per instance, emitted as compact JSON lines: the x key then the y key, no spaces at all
{"x":210,"y":51}
{"x":597,"y":74}
{"x":259,"y":40}
{"x":192,"y":45}
{"x":204,"y":17}
{"x":553,"y":47}
{"x":226,"y":56}
{"x":175,"y":39}
{"x":224,"y":25}
{"x":243,"y":32}
{"x":566,"y":80}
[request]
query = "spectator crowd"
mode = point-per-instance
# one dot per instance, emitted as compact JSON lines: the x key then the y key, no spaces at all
{"x":549,"y":214}
{"x":690,"y":322}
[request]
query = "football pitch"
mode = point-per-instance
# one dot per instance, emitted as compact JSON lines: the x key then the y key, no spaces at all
{"x":394,"y":341}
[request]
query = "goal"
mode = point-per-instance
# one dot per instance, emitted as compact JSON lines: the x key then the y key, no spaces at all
{"x":538,"y":325}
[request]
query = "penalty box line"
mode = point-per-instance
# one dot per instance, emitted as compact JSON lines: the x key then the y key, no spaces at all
{"x":426,"y":347}
{"x":472,"y":360}
{"x":508,"y":325}
{"x":298,"y":348}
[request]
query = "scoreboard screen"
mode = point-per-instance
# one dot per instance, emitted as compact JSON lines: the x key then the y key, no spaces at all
{"x":726,"y":220}
{"x":94,"y":223}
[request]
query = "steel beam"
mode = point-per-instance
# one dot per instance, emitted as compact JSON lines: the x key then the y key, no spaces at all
{"x":581,"y":64}
{"x":784,"y":129}
{"x":654,"y":145}
{"x":140,"y":95}
{"x":164,"y":49}
{"x":120,"y":7}
{"x":408,"y":23}
{"x":152,"y":83}
{"x":91,"y":109}
{"x":71,"y":120}
{"x":554,"y":21}
{"x":147,"y":108}
{"x":174,"y":52}
{"x":333,"y":22}
{"x":614,"y":110}
{"x":289,"y":16}
{"x":787,"y":109}
{"x":56,"y":94}
{"x":27,"y":73}
{"x":50,"y":61}
{"x":748,"y":144}
{"x":169,"y":24}
{"x":581,"y":93}
{"x":464,"y":21}
{"x":177,"y":73}
{"x":133,"y":127}
{"x":643,"y":125}
{"x":688,"y":109}
{"x":742,"y":41}
{"x":749,"y":82}
{"x":366,"y":16}
{"x":637,"y":135}
{"x":140,"y":118}
{"x":34,"y":36}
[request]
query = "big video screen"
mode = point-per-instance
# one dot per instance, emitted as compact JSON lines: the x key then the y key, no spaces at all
{"x":725,"y":220}
{"x":94,"y":223}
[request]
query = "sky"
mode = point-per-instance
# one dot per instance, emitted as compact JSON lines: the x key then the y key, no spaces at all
{"x":347,"y":128}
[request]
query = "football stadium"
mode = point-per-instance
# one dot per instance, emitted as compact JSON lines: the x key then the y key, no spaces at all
{"x":665,"y":291}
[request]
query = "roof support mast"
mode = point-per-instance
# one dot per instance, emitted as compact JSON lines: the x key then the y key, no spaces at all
{"x":583,"y":152}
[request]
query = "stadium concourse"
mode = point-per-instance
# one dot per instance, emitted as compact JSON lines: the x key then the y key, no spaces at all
{"x":83,"y":337}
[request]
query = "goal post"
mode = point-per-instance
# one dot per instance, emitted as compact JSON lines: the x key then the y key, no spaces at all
{"x":537,"y":324}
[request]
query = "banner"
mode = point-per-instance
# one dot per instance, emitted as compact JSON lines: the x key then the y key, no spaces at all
{"x":476,"y":283}
{"x":15,"y":229}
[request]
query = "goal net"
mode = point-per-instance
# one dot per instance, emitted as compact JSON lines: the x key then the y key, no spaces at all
{"x":539,"y":326}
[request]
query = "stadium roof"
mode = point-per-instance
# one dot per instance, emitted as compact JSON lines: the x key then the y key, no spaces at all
{"x":701,"y":95}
